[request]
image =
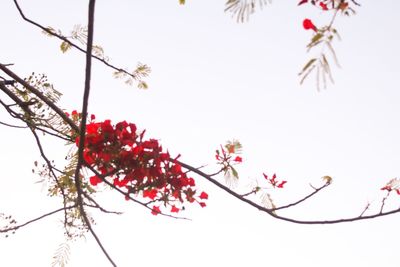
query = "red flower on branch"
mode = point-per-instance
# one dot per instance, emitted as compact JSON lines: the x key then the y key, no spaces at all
{"x":174,"y":209}
{"x":238,"y":159}
{"x":274,"y":182}
{"x":323,"y":6}
{"x":136,"y":165}
{"x":94,"y":180}
{"x":308,"y":24}
{"x":302,"y":2}
{"x":393,"y":184}
{"x":156,"y":210}
{"x":203,"y":195}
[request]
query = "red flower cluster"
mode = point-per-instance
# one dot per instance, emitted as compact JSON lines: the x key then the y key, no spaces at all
{"x":274,"y":182}
{"x":228,"y":154}
{"x":393,"y":184}
{"x":138,"y":165}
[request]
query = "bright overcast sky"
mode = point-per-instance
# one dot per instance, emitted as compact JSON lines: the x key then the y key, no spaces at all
{"x":213,"y":80}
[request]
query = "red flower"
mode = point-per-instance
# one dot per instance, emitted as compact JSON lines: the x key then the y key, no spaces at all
{"x":156,"y":210}
{"x":174,"y":209}
{"x":302,"y":2}
{"x":280,"y":185}
{"x":386,"y":187}
{"x":150,"y":193}
{"x":92,"y":117}
{"x":238,"y":159}
{"x":274,"y":182}
{"x":307,"y":24}
{"x":94,"y":180}
{"x":203,"y":195}
{"x":202,"y":204}
{"x":323,"y":6}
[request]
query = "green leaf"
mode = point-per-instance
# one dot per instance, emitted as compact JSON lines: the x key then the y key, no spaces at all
{"x":181,"y":2}
{"x":234,"y":173}
{"x":143,"y":85}
{"x":65,"y":46}
{"x":316,"y":37}
{"x":308,"y":64}
{"x":49,"y":31}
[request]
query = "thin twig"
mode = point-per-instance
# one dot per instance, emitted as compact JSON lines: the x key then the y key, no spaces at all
{"x":63,"y":38}
{"x":272,"y":212}
{"x":50,"y":166}
{"x":41,"y":96}
{"x":316,"y":190}
{"x":36,"y":219}
{"x":13,"y":126}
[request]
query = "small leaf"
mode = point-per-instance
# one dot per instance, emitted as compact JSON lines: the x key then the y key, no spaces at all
{"x":65,"y":46}
{"x":181,"y":2}
{"x":143,"y":85}
{"x":49,"y":31}
{"x":327,"y":179}
{"x":235,"y":173}
{"x":308,"y":64}
{"x":316,"y":37}
{"x":306,"y":74}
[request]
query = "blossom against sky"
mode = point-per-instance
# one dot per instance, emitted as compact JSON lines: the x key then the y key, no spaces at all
{"x":213,"y":80}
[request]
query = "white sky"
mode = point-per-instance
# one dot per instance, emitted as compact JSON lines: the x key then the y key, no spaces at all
{"x":213,"y":80}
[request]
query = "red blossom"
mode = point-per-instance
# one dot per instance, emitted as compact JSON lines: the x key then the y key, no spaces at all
{"x":302,"y":2}
{"x":174,"y":209}
{"x":238,"y":159}
{"x":135,"y":164}
{"x":280,"y":185}
{"x":203,"y":195}
{"x":386,"y":187}
{"x":150,"y":193}
{"x":323,"y":6}
{"x":156,"y":210}
{"x":308,"y":24}
{"x":202,"y":204}
{"x":94,"y":180}
{"x":274,"y":182}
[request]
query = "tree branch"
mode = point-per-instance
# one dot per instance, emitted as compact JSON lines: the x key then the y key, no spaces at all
{"x":41,"y":96}
{"x":36,"y":219}
{"x":70,"y":43}
{"x":83,"y":127}
{"x":272,"y":211}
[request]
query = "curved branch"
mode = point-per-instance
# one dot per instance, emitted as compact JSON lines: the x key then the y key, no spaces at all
{"x":272,"y":211}
{"x":41,"y":96}
{"x":70,"y":43}
{"x":103,"y":178}
{"x":316,"y":190}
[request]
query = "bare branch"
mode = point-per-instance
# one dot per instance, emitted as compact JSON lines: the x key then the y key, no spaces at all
{"x":316,"y":190}
{"x":36,"y":219}
{"x":272,"y":211}
{"x":63,"y":38}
